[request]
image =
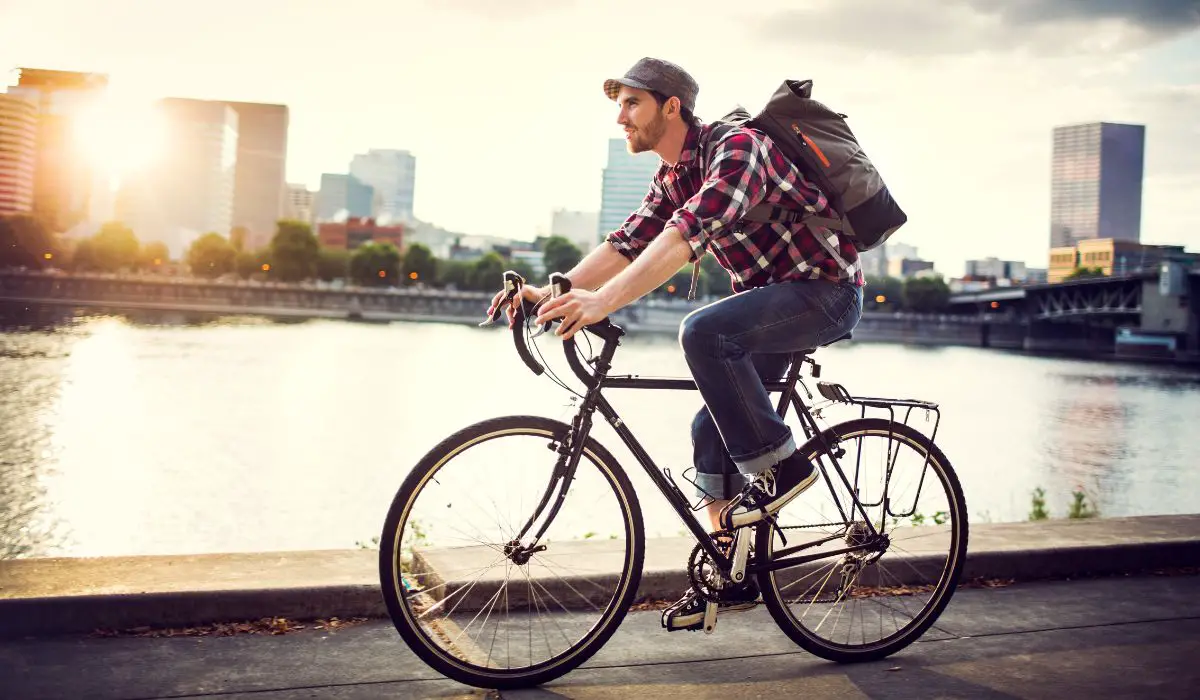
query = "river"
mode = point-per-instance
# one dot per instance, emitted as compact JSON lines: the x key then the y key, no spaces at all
{"x":128,"y":435}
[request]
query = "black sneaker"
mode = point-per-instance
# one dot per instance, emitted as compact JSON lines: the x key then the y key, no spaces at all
{"x":687,"y":613}
{"x":771,"y":490}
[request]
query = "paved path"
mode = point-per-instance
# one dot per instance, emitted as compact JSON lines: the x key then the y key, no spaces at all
{"x":1105,"y":638}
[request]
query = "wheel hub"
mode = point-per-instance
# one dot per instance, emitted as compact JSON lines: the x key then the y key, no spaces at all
{"x":520,"y":554}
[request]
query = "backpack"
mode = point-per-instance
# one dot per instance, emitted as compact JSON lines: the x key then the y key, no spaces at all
{"x":820,"y":144}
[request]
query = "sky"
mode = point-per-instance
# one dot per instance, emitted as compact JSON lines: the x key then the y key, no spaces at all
{"x":501,"y":101}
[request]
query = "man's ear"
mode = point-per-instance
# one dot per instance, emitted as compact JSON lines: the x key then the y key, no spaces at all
{"x":672,"y":105}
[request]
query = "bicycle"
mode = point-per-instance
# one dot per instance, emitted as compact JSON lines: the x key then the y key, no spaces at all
{"x":556,"y":576}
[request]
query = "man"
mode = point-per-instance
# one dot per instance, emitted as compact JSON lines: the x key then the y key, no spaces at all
{"x":797,"y":287}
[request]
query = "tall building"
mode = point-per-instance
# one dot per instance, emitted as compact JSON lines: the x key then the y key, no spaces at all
{"x":626,"y":182}
{"x":392,"y":174}
{"x":65,"y":180}
{"x":18,"y":153}
{"x":189,"y":190}
{"x":343,"y":196}
{"x":1096,"y":183}
{"x":578,"y":227}
{"x":260,"y":188}
{"x":299,"y":203}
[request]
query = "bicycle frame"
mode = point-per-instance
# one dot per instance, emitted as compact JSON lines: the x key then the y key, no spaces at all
{"x":594,"y":401}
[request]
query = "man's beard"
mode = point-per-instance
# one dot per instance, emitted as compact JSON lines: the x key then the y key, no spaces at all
{"x":647,"y":137}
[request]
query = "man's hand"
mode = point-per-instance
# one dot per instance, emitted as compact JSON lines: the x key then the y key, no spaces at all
{"x":533,"y":294}
{"x":577,"y":308}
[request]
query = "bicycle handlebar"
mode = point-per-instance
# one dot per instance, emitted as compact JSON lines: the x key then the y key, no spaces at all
{"x":559,"y":285}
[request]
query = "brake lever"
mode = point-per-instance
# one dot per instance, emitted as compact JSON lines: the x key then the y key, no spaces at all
{"x":512,"y":286}
{"x":532,"y":313}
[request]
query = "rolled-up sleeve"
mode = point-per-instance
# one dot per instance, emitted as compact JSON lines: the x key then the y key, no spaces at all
{"x":734,"y":182}
{"x":644,"y":224}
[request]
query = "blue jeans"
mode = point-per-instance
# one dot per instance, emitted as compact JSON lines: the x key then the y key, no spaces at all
{"x":734,"y":345}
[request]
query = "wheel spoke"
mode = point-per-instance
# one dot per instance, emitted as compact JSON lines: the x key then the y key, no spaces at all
{"x":487,"y":608}
{"x":872,"y":602}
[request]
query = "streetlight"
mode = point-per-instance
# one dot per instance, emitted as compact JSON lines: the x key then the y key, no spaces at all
{"x":879,"y":298}
{"x":382,"y":274}
{"x":266,"y":267}
{"x":412,"y":275}
{"x":48,"y":256}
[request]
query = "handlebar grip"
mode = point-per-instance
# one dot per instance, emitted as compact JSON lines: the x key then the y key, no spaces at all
{"x":524,"y":311}
{"x":559,"y":284}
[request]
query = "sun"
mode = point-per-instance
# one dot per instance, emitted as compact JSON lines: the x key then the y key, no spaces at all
{"x":119,"y":137}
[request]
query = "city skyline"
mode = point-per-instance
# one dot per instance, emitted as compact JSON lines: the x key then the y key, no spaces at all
{"x":948,"y":116}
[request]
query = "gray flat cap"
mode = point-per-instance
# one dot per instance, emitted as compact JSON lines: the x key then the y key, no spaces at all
{"x":660,"y":76}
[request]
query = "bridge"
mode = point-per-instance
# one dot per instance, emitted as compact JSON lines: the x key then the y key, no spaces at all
{"x":1082,"y":317}
{"x":1134,"y":314}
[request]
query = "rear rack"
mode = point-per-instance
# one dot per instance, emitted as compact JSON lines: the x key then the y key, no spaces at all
{"x":838,"y":394}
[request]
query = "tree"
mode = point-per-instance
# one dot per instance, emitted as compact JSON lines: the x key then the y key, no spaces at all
{"x":560,"y":254}
{"x":883,"y":294}
{"x":1080,"y":273}
{"x":714,"y":279}
{"x":294,"y":251}
{"x":454,"y":273}
{"x":116,"y":247}
{"x":211,"y":255}
{"x":375,"y":264}
{"x":153,"y":256}
{"x":677,"y":286}
{"x":926,"y":294}
{"x":84,"y":257}
{"x":487,"y":273}
{"x":25,"y":242}
{"x":248,"y":263}
{"x":419,"y":260}
{"x":332,"y":264}
{"x":237,"y":237}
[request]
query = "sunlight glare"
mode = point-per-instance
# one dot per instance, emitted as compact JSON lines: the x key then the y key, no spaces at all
{"x":120,"y":136}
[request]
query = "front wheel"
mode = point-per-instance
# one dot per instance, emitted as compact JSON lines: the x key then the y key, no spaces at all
{"x":890,"y":496}
{"x":481,"y":602}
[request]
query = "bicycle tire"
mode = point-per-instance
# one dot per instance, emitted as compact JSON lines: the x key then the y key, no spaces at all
{"x":774,"y":600}
{"x":390,"y":567}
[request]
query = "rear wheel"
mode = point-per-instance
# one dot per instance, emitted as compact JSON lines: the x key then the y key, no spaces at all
{"x":870,"y":603}
{"x":478,"y":605}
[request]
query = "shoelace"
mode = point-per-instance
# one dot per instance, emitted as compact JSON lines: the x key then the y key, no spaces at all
{"x":765,"y":482}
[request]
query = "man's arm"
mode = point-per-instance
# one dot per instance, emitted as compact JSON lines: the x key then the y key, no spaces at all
{"x":734,"y":183}
{"x":657,"y":264}
{"x":600,"y":266}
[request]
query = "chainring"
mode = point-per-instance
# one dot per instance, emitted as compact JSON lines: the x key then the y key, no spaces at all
{"x":703,"y":575}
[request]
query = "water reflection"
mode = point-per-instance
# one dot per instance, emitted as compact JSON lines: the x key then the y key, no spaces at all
{"x":173,"y":433}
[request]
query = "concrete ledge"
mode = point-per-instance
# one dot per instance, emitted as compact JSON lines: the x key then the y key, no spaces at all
{"x":55,"y":596}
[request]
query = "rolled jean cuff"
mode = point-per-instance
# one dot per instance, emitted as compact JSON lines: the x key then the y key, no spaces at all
{"x":713,"y":485}
{"x":753,"y":465}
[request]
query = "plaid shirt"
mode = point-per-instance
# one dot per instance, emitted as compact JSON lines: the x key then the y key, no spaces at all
{"x":706,"y":202}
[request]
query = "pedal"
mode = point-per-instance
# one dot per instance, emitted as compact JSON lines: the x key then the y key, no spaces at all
{"x":741,"y":552}
{"x":710,"y":617}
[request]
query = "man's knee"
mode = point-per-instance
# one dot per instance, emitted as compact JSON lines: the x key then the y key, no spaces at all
{"x":696,"y":336}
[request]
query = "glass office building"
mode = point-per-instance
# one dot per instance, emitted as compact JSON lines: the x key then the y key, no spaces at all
{"x":626,"y":181}
{"x":1096,"y":183}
